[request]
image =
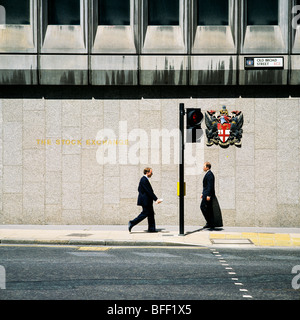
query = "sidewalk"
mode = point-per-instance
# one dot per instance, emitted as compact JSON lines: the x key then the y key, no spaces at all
{"x":110,"y":235}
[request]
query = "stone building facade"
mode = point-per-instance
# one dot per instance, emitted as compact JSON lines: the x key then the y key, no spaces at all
{"x":90,"y":93}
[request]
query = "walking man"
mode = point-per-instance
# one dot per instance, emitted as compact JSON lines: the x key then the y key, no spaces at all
{"x":145,"y":199}
{"x":209,"y":204}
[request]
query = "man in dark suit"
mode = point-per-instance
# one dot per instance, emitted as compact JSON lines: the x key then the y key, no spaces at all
{"x":145,"y":199}
{"x":209,"y":204}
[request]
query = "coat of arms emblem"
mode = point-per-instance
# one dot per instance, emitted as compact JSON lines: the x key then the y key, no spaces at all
{"x":224,"y":129}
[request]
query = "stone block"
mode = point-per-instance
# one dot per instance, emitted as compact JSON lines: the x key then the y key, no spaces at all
{"x":245,"y":179}
{"x":265,"y":123}
{"x":34,"y":165}
{"x":287,"y":109}
{"x":246,"y":154}
{"x":167,"y":213}
{"x":71,"y":168}
{"x":287,"y":154}
{"x":266,"y":207}
{"x":71,"y":113}
{"x":90,"y":127}
{"x":129,"y":179}
{"x":54,"y":157}
{"x":247,"y":106}
{"x":289,"y":215}
{"x":111,"y":117}
{"x":287,"y":187}
{"x":12,"y":153}
{"x":288,"y":130}
{"x":226,"y":194}
{"x":229,"y":217}
{"x":109,"y":215}
{"x":227,"y":162}
{"x":129,"y":114}
{"x":12,"y":132}
{"x":12,"y":110}
{"x":92,"y":173}
{"x":13,"y":208}
{"x":92,"y":108}
{"x":71,"y":196}
{"x":34,"y":195}
{"x":91,"y":217}
{"x":32,"y":118}
{"x":53,"y":118}
{"x":53,"y":214}
{"x":53,"y":188}
{"x":245,"y":209}
{"x":30,"y":137}
{"x":34,"y":104}
{"x":92,"y":202}
{"x":70,"y":134}
{"x":265,"y":168}
{"x":111,"y":190}
{"x":72,"y":217}
{"x":34,"y":216}
{"x":12,"y":179}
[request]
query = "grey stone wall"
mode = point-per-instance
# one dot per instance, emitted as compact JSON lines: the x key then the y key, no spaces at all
{"x":59,"y":183}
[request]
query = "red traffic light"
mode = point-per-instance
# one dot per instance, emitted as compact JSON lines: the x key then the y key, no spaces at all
{"x":194,"y":118}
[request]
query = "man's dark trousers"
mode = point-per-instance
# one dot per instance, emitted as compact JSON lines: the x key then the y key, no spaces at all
{"x":207,"y":210}
{"x":147,"y":212}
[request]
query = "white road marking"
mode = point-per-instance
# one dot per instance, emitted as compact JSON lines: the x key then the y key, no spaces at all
{"x":227,"y":268}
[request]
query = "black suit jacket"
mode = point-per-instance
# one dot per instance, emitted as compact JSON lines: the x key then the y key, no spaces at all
{"x":146,"y":195}
{"x":208,"y":185}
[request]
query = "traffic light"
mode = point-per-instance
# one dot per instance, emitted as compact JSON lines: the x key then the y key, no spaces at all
{"x":194,"y":131}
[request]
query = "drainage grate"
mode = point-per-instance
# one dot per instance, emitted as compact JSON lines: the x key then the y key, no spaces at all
{"x":231,"y":241}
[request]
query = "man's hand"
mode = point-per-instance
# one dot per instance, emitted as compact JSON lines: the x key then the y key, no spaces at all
{"x":208,"y":198}
{"x":158,"y":201}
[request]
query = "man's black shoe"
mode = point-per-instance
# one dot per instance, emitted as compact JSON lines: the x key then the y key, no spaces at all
{"x":130,"y":226}
{"x":152,"y":231}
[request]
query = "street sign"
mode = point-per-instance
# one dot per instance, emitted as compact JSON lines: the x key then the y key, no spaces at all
{"x":264,"y":62}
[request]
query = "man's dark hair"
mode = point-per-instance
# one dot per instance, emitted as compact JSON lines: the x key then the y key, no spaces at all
{"x":208,"y":165}
{"x":146,"y":170}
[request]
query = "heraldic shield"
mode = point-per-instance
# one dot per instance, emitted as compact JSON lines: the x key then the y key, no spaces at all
{"x":224,"y":129}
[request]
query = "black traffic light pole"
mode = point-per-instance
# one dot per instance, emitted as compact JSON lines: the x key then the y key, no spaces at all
{"x":181,"y":170}
{"x":194,"y":134}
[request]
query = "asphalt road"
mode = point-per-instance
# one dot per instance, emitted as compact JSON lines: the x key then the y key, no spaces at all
{"x":70,"y":272}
